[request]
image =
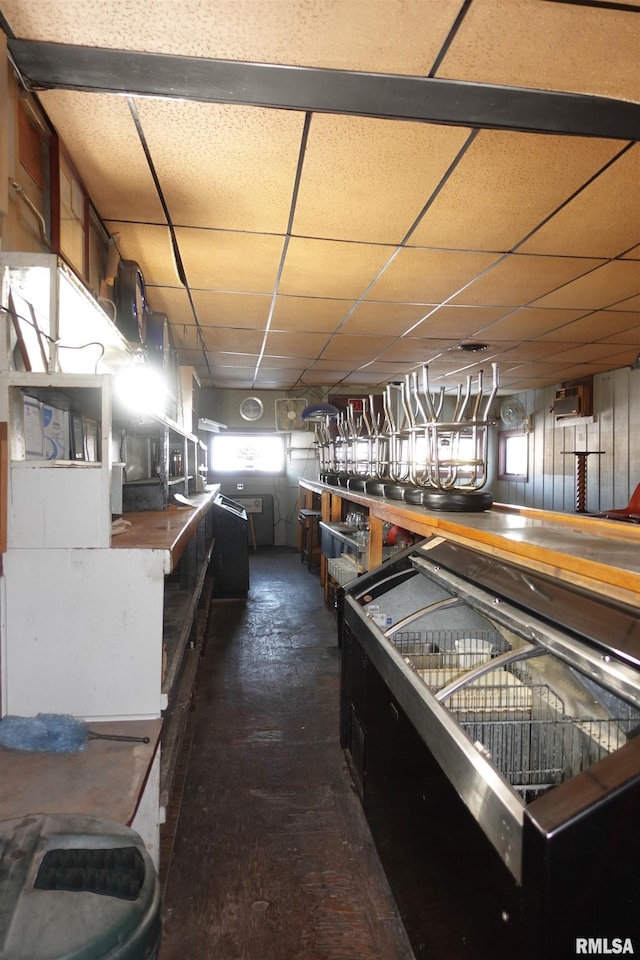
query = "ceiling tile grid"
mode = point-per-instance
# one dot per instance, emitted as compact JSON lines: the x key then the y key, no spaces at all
{"x":322,"y":248}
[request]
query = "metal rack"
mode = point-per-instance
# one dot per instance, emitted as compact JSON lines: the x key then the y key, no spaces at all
{"x":520,"y":724}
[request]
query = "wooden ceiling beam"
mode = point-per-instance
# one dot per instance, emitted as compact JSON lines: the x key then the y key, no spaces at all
{"x":46,"y":65}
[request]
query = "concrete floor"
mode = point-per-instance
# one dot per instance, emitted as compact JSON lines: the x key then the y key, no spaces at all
{"x":272,"y":857}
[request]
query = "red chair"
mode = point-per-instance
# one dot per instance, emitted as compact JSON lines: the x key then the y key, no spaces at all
{"x":630,"y":513}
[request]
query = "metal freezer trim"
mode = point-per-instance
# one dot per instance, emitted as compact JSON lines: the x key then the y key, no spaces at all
{"x":604,"y":668}
{"x":487,"y":795}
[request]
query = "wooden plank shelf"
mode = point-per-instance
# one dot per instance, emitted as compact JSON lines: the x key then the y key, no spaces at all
{"x":183,"y":694}
{"x":179,"y":617}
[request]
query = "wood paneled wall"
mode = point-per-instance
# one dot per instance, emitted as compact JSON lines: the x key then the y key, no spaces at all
{"x":611,"y":476}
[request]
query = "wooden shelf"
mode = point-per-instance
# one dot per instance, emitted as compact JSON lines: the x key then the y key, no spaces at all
{"x":179,"y":615}
{"x":183,"y":692}
{"x":104,"y":780}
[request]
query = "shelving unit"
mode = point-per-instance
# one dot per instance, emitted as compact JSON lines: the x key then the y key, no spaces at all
{"x":108,"y":628}
{"x":182,"y":541}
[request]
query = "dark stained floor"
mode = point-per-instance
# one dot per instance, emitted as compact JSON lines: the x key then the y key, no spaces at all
{"x":272,"y":858}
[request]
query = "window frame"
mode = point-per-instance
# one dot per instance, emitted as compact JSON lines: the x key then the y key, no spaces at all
{"x":248,"y":435}
{"x":504,"y":436}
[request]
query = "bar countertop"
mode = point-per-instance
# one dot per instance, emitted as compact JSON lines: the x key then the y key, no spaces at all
{"x":600,"y":554}
{"x":166,"y":530}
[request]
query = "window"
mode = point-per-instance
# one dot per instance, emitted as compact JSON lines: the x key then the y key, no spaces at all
{"x":513,"y":455}
{"x":254,"y":454}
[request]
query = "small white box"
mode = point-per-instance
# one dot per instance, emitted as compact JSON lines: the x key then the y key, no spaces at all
{"x":55,"y":424}
{"x":33,"y":429}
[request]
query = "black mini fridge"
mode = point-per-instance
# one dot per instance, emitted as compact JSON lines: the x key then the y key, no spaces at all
{"x":230,"y":555}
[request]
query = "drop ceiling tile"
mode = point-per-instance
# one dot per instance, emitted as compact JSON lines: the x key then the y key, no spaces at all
{"x":525,"y":352}
{"x":323,"y":268}
{"x":234,"y":379}
{"x":191,"y":358}
{"x":457,"y":323}
{"x":289,"y":344}
{"x":232,"y":341}
{"x":232,"y":309}
{"x":368,"y":179}
{"x":312,"y":377}
{"x":184,"y":336}
{"x":602,"y":221}
{"x":625,"y":358}
{"x":527,"y":324}
{"x":224,"y":166}
{"x":541,"y":369}
{"x":100,"y":135}
{"x":390,"y":319}
{"x":519,"y":279}
{"x":628,"y":333}
{"x":632,"y":303}
{"x":392,"y":36}
{"x":513,"y":384}
{"x":309,"y":313}
{"x":345,"y":364}
{"x":505,"y":185}
{"x":363,"y":379}
{"x":283,"y":363}
{"x":609,"y":284}
{"x":388,"y":370}
{"x":221,"y":260}
{"x":585,"y":353}
{"x":150,"y":246}
{"x":357,"y":349}
{"x":174,"y":301}
{"x":551,"y":46}
{"x":415,"y":350}
{"x":596,"y":326}
{"x":428,"y":276}
{"x":220,"y":359}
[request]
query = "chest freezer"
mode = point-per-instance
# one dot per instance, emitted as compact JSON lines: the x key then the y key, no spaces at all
{"x":490,"y":715}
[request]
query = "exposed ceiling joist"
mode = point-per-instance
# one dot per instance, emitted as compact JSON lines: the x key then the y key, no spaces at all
{"x":68,"y":66}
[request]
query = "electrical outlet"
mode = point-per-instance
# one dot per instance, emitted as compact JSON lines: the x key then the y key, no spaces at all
{"x":239,"y":486}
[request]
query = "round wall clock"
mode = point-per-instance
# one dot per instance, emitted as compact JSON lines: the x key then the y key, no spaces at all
{"x":131,"y":301}
{"x":251,"y":408}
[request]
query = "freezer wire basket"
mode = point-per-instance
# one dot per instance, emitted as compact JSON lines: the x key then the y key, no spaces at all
{"x":519,"y":723}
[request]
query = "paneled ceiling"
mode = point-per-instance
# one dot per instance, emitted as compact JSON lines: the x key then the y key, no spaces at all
{"x":335,"y":192}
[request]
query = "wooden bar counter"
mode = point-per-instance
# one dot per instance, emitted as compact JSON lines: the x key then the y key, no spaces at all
{"x":598,"y":554}
{"x":167,"y":530}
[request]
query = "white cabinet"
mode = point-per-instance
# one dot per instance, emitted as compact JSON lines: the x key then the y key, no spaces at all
{"x":57,"y":502}
{"x":84,"y":633}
